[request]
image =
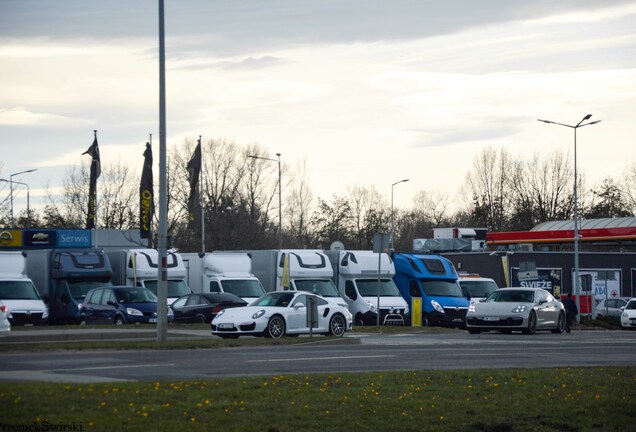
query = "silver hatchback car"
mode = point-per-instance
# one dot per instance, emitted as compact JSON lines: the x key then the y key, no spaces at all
{"x":611,"y":307}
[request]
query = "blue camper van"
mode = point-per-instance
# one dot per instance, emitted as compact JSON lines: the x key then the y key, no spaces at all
{"x":434,"y":279}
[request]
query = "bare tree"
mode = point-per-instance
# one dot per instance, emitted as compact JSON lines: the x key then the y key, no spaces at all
{"x":300,"y":205}
{"x":629,"y":187}
{"x":489,"y":186}
{"x":366,"y":204}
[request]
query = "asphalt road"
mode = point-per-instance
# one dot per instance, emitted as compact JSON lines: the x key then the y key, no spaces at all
{"x":366,"y":352}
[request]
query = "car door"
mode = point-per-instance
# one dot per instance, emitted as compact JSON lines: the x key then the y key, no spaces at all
{"x":297,"y":315}
{"x":178,"y":307}
{"x":108,"y":307}
{"x":546,"y":310}
{"x":90,"y":305}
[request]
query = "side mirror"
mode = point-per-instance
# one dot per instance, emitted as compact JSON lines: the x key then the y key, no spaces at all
{"x":111,"y":303}
{"x":45,"y":298}
{"x":468,"y":296}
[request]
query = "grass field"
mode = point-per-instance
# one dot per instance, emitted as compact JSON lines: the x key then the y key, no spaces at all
{"x":563,"y":399}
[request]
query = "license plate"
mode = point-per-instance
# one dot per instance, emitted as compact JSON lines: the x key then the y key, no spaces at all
{"x":152,"y":320}
{"x":225,"y":325}
{"x":491,"y":318}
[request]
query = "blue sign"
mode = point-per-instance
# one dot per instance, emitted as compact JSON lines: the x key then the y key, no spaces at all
{"x":39,"y":238}
{"x":74,"y":238}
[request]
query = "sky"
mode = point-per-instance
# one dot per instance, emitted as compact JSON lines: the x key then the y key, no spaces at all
{"x":365,"y":92}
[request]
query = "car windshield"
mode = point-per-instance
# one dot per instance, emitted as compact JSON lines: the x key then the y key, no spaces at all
{"x":176,"y":287}
{"x":369,"y":288}
{"x":79,"y":289}
{"x":631,"y":305}
{"x":441,"y":288}
{"x":18,"y":290}
{"x":243,"y":287}
{"x":478,"y":288}
{"x":511,"y":296}
{"x":135,"y":295}
{"x":325,"y":288}
{"x":280,"y":299}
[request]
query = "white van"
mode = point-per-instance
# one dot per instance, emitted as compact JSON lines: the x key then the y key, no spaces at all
{"x":18,"y":293}
{"x":475,"y":287}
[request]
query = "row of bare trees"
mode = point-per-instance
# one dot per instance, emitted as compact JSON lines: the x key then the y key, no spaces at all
{"x":240,"y":200}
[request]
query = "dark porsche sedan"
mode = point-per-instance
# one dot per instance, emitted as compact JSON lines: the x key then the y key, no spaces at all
{"x":202,"y":308}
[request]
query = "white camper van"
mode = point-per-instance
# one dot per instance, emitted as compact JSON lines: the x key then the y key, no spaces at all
{"x":17,"y":292}
{"x":360,"y":284}
{"x":475,"y":287}
{"x":223,"y":272}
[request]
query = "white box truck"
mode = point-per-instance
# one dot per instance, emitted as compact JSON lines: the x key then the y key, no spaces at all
{"x":357,"y":278}
{"x":138,"y":267}
{"x":18,"y":293}
{"x":223,"y":272}
{"x":296,"y":269}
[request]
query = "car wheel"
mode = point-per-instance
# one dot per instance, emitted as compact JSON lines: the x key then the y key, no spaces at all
{"x":560,"y":324}
{"x":337,"y":325}
{"x":275,"y":327}
{"x":199,"y":319}
{"x":118,"y":320}
{"x":532,"y":324}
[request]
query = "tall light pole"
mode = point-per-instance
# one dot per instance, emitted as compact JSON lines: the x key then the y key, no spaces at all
{"x":391,"y":245}
{"x":11,"y":190}
{"x":280,"y":202}
{"x":576,"y":207}
{"x":28,"y":205}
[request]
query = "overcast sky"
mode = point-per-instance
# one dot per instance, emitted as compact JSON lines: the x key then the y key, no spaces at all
{"x":367,"y":92}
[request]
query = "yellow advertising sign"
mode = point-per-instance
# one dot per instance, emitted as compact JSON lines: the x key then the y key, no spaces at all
{"x":11,"y":238}
{"x":416,"y":312}
{"x":285,"y":276}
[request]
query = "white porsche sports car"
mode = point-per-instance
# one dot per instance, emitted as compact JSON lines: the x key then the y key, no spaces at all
{"x":276,"y":314}
{"x":525,"y":309}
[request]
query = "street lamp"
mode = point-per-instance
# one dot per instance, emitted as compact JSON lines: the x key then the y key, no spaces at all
{"x":28,"y":193}
{"x":392,"y":216}
{"x":11,"y":190}
{"x":280,"y":203}
{"x":576,"y":213}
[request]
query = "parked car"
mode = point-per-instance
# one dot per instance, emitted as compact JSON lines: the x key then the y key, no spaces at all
{"x":23,"y":300}
{"x":120,"y":305}
{"x":202,"y":308}
{"x":628,"y":317}
{"x":611,"y":307}
{"x":5,"y":325}
{"x":278,"y":313}
{"x":525,"y":309}
{"x":476,"y":288}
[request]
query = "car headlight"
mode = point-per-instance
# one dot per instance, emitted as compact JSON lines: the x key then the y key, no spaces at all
{"x":221,"y":312}
{"x":406,"y":310}
{"x":624,"y":315}
{"x":170,"y":311}
{"x":45,"y":314}
{"x":438,"y":307}
{"x":258,"y":314}
{"x":519,"y":309}
{"x":133,"y":311}
{"x":372,"y":307}
{"x":472,"y":308}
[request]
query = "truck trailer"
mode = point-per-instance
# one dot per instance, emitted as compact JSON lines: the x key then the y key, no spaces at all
{"x":63,"y":277}
{"x":223,"y":272}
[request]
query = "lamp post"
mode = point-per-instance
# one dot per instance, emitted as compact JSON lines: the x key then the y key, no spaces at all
{"x":280,"y":202}
{"x":576,"y":213}
{"x":11,"y":190}
{"x":391,"y":245}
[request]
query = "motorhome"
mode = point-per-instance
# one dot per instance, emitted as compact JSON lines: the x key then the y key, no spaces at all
{"x":139,"y":267}
{"x":223,"y":272}
{"x":63,"y":277}
{"x":365,"y":279}
{"x":296,"y":269}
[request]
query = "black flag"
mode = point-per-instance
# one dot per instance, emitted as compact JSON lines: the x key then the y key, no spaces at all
{"x":194,"y":171}
{"x":96,"y":170}
{"x":146,"y":195}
